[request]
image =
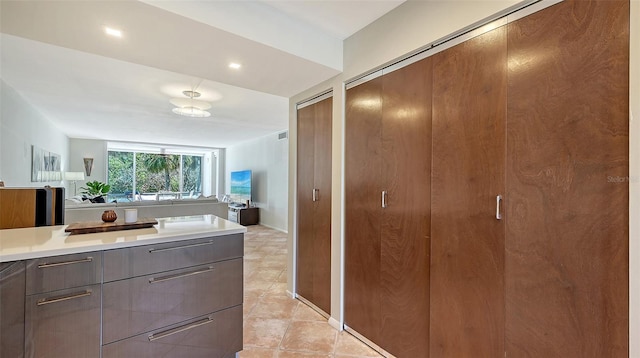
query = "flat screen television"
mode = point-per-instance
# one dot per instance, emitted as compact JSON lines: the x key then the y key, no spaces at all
{"x":241,"y":186}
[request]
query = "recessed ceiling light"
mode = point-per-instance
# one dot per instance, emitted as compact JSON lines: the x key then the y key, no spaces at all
{"x":234,"y":65}
{"x":112,"y":32}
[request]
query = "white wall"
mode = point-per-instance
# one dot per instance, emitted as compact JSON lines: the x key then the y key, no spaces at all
{"x":411,"y":26}
{"x":88,"y":148}
{"x":221,"y":172}
{"x":268,"y":159}
{"x":208,"y":170}
{"x":22,"y":126}
{"x":634,"y":185}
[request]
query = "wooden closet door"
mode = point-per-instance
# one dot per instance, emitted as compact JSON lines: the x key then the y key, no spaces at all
{"x":322,"y":213}
{"x":467,"y":243}
{"x":305,"y":186}
{"x":405,"y":234}
{"x":363,"y":211}
{"x":567,"y":190}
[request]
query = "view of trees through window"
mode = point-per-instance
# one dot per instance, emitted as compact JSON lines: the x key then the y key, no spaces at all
{"x":157,"y":176}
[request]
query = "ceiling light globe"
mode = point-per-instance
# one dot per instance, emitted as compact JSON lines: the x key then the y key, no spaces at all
{"x":191,"y":112}
{"x":188,"y":102}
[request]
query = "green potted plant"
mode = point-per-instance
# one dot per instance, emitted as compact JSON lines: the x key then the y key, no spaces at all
{"x":96,"y":191}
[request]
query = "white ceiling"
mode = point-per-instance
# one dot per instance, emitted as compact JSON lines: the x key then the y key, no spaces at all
{"x":56,"y":55}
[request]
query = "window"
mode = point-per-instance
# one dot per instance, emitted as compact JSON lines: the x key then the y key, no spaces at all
{"x":141,"y":175}
{"x":192,"y":173}
{"x":120,"y":174}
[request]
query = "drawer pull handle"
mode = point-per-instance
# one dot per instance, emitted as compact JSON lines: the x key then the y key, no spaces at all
{"x":179,"y":275}
{"x":186,"y":327}
{"x":55,"y":299}
{"x":151,"y":251}
{"x":56,"y":264}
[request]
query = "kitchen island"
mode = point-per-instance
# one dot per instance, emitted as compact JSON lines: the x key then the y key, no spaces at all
{"x":173,"y":290}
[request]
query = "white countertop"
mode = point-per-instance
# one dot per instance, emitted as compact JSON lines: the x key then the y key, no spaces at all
{"x":29,"y":243}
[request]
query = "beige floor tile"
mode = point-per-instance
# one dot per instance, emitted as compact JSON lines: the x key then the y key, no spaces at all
{"x":253,"y":255}
{"x":291,"y":354}
{"x":270,"y":248}
{"x":317,"y":337}
{"x":278,"y":289}
{"x":250,"y":285}
{"x":264,"y":274}
{"x":252,"y":352}
{"x":349,"y":345}
{"x":276,"y":264}
{"x":300,"y":332}
{"x":264,"y":332}
{"x":306,"y":313}
{"x":275,"y":307}
{"x":283,"y":277}
{"x":280,"y":251}
{"x":249,"y":301}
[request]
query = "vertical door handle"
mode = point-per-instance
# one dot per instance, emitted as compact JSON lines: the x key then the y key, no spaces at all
{"x":384,"y":198}
{"x":498,"y":200}
{"x":314,"y":194}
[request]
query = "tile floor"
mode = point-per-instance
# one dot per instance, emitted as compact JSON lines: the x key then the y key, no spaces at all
{"x":276,"y":326}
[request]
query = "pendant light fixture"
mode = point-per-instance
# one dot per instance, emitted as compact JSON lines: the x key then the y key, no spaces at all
{"x":189,"y":106}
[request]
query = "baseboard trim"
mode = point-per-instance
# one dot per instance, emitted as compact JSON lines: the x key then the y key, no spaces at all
{"x":313,"y":307}
{"x":335,"y":324}
{"x":364,"y":340}
{"x":273,"y":227}
{"x":291,"y":294}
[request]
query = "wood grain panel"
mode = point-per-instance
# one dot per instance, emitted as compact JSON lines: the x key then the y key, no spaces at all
{"x":17,"y":208}
{"x":322,"y":214}
{"x":467,"y":243}
{"x":89,"y":227}
{"x":363,"y":211}
{"x":405,"y":234}
{"x":305,"y":205}
{"x":567,"y":190}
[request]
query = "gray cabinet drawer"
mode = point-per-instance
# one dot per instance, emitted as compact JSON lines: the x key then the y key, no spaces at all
{"x":143,"y":260}
{"x":65,"y":271}
{"x":145,"y":303}
{"x":218,"y":335}
{"x":63,"y":323}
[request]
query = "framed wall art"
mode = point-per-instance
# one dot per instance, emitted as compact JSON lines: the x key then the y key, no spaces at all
{"x":45,"y":165}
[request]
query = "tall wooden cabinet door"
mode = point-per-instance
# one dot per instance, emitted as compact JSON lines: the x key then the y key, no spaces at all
{"x":322,"y":213}
{"x":567,"y":190}
{"x":306,"y":205}
{"x":467,"y":243}
{"x":363,"y":211}
{"x":405,"y":234}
